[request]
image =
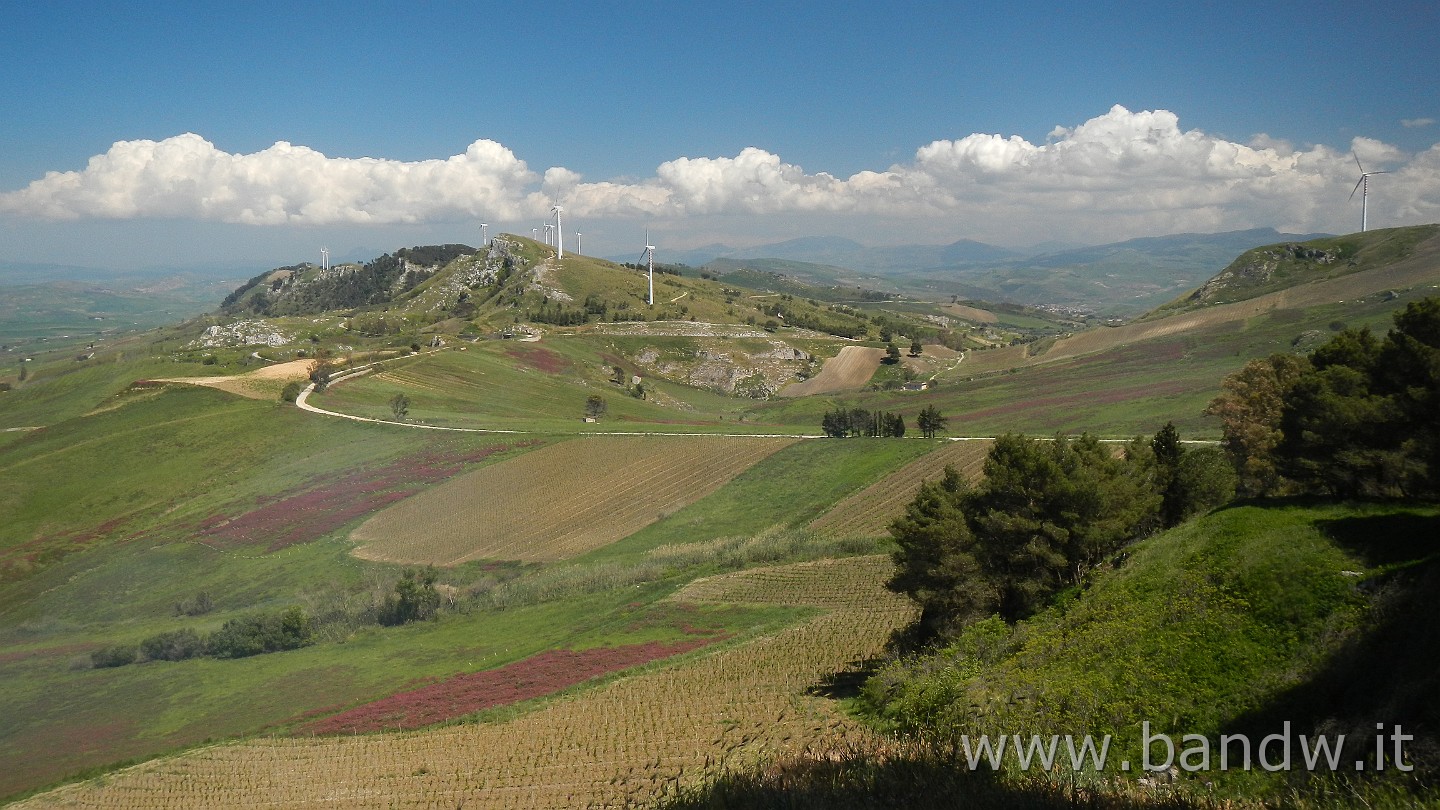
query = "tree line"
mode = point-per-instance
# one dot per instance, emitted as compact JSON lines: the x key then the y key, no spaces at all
{"x":414,"y":597}
{"x":846,"y":422}
{"x":1358,"y":417}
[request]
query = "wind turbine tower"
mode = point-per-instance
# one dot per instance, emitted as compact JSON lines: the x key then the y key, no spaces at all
{"x":484,"y":241}
{"x":577,"y":243}
{"x":649,"y":255}
{"x":559,"y":231}
{"x":324,"y":258}
{"x":1363,"y":186}
{"x":549,"y":229}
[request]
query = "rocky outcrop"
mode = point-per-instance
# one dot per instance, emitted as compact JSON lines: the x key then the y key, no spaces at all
{"x":1259,"y":267}
{"x":241,"y":333}
{"x":756,"y":374}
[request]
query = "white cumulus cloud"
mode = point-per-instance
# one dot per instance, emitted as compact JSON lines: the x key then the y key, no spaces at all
{"x":188,"y":177}
{"x":1116,"y":175}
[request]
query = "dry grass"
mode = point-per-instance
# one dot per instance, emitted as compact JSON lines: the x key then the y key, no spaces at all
{"x":263,"y":383}
{"x":624,"y":744}
{"x":558,"y":502}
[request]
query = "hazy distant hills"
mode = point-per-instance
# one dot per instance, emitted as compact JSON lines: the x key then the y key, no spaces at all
{"x":45,"y":301}
{"x":841,"y":252}
{"x":1120,"y":279}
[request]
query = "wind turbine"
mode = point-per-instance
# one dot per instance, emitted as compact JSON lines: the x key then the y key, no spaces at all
{"x":324,"y":258}
{"x":483,"y":239}
{"x":559,"y":231}
{"x":649,"y":255}
{"x":1363,"y":186}
{"x":577,"y":242}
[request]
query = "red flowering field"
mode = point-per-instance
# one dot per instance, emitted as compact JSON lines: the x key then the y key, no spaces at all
{"x":327,"y":507}
{"x":538,"y":358}
{"x":536,"y":676}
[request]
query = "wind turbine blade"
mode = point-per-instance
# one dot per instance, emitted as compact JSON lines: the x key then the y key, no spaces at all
{"x":1357,"y":187}
{"x":1357,"y":161}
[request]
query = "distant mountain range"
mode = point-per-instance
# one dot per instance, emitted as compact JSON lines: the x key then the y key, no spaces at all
{"x":846,"y":253}
{"x":1120,"y":279}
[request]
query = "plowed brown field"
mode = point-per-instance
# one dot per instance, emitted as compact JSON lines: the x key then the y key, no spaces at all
{"x":847,"y":371}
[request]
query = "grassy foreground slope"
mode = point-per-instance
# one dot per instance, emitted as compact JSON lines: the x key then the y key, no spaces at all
{"x":625,"y":744}
{"x":1234,"y":624}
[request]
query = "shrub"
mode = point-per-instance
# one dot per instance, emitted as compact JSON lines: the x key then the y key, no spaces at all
{"x":292,"y":390}
{"x":176,"y":645}
{"x":115,"y":655}
{"x":261,"y":633}
{"x":414,"y":599}
{"x":198,"y":605}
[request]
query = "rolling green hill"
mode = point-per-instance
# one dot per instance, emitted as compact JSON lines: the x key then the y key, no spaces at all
{"x":1277,"y":267}
{"x":125,"y":499}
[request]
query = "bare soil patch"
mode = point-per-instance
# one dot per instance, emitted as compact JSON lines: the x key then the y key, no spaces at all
{"x":262,"y":383}
{"x":847,"y":371}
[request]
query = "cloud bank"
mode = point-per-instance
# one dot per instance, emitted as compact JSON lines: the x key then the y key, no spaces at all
{"x":1119,"y":174}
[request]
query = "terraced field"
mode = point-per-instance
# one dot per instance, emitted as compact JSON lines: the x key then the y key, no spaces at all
{"x":868,"y":513}
{"x":623,"y":744}
{"x":558,"y":502}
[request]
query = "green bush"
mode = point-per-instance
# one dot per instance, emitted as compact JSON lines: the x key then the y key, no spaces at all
{"x":115,"y":655}
{"x":177,"y":645}
{"x":261,"y":633}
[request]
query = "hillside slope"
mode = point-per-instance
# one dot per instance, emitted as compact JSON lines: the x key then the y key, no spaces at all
{"x":1385,"y":267}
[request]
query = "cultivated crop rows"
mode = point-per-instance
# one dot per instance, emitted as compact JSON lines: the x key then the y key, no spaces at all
{"x":560,"y":501}
{"x":868,"y":513}
{"x":619,"y":745}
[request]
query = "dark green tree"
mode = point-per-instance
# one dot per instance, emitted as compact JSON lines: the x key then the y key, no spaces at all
{"x":1166,"y":450}
{"x":1046,"y":514}
{"x":836,"y":423}
{"x":930,"y":421}
{"x":258,"y":633}
{"x":595,"y":406}
{"x":400,"y":407}
{"x":937,"y":562}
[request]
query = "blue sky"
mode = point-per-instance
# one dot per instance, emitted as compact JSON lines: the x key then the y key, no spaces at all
{"x":1012,"y":124}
